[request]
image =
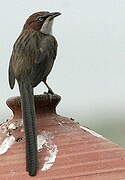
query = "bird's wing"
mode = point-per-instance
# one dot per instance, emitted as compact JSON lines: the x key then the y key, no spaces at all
{"x":33,"y":56}
{"x":46,"y":54}
{"x":11,"y":74}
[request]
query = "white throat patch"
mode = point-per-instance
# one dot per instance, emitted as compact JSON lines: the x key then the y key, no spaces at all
{"x":47,"y":26}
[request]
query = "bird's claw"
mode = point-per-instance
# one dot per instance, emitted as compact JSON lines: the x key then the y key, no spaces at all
{"x":50,"y":92}
{"x":50,"y":95}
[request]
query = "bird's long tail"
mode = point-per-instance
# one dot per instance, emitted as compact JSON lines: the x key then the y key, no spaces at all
{"x":28,"y":112}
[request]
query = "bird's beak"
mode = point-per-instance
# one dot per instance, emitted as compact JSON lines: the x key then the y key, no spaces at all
{"x":54,"y":14}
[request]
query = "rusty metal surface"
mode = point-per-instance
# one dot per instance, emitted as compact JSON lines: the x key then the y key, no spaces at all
{"x":81,"y":155}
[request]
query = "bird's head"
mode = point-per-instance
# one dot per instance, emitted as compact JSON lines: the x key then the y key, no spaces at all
{"x":41,"y":21}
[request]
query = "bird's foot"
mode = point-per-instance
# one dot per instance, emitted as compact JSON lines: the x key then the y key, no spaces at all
{"x":50,"y":94}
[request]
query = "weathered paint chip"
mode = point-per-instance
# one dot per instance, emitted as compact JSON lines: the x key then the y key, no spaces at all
{"x":6,"y":144}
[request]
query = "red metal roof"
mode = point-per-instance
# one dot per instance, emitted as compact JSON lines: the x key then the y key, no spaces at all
{"x":80,"y":154}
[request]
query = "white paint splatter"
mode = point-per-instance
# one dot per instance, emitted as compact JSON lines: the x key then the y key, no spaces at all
{"x":92,"y":132}
{"x":41,"y":141}
{"x":45,"y":140}
{"x":3,"y":127}
{"x":12,"y":126}
{"x":51,"y":159}
{"x":6,"y":144}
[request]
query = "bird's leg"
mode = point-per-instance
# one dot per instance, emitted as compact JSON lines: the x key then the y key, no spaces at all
{"x":50,"y":92}
{"x":49,"y":89}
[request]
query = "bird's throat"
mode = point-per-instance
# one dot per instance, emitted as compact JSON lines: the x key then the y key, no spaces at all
{"x":47,"y":27}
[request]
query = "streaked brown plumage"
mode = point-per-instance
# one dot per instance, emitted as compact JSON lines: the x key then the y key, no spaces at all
{"x":31,"y":61}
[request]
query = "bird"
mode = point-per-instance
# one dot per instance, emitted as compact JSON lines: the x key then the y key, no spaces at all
{"x":31,"y":61}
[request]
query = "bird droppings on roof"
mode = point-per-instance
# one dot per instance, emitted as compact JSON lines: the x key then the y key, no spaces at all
{"x":7,"y":126}
{"x":49,"y":160}
{"x":45,"y":141}
{"x":6,"y":144}
{"x":12,"y":126}
{"x":8,"y":137}
{"x":3,"y":127}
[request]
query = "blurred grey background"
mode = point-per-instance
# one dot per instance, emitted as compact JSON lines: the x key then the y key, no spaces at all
{"x":89,"y":71}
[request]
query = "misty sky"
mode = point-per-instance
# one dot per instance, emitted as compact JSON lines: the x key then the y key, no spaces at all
{"x":89,"y":71}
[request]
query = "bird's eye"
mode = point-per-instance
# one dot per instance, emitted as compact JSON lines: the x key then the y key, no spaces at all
{"x":40,"y":19}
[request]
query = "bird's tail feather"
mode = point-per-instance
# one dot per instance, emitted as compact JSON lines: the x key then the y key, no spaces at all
{"x":28,"y":111}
